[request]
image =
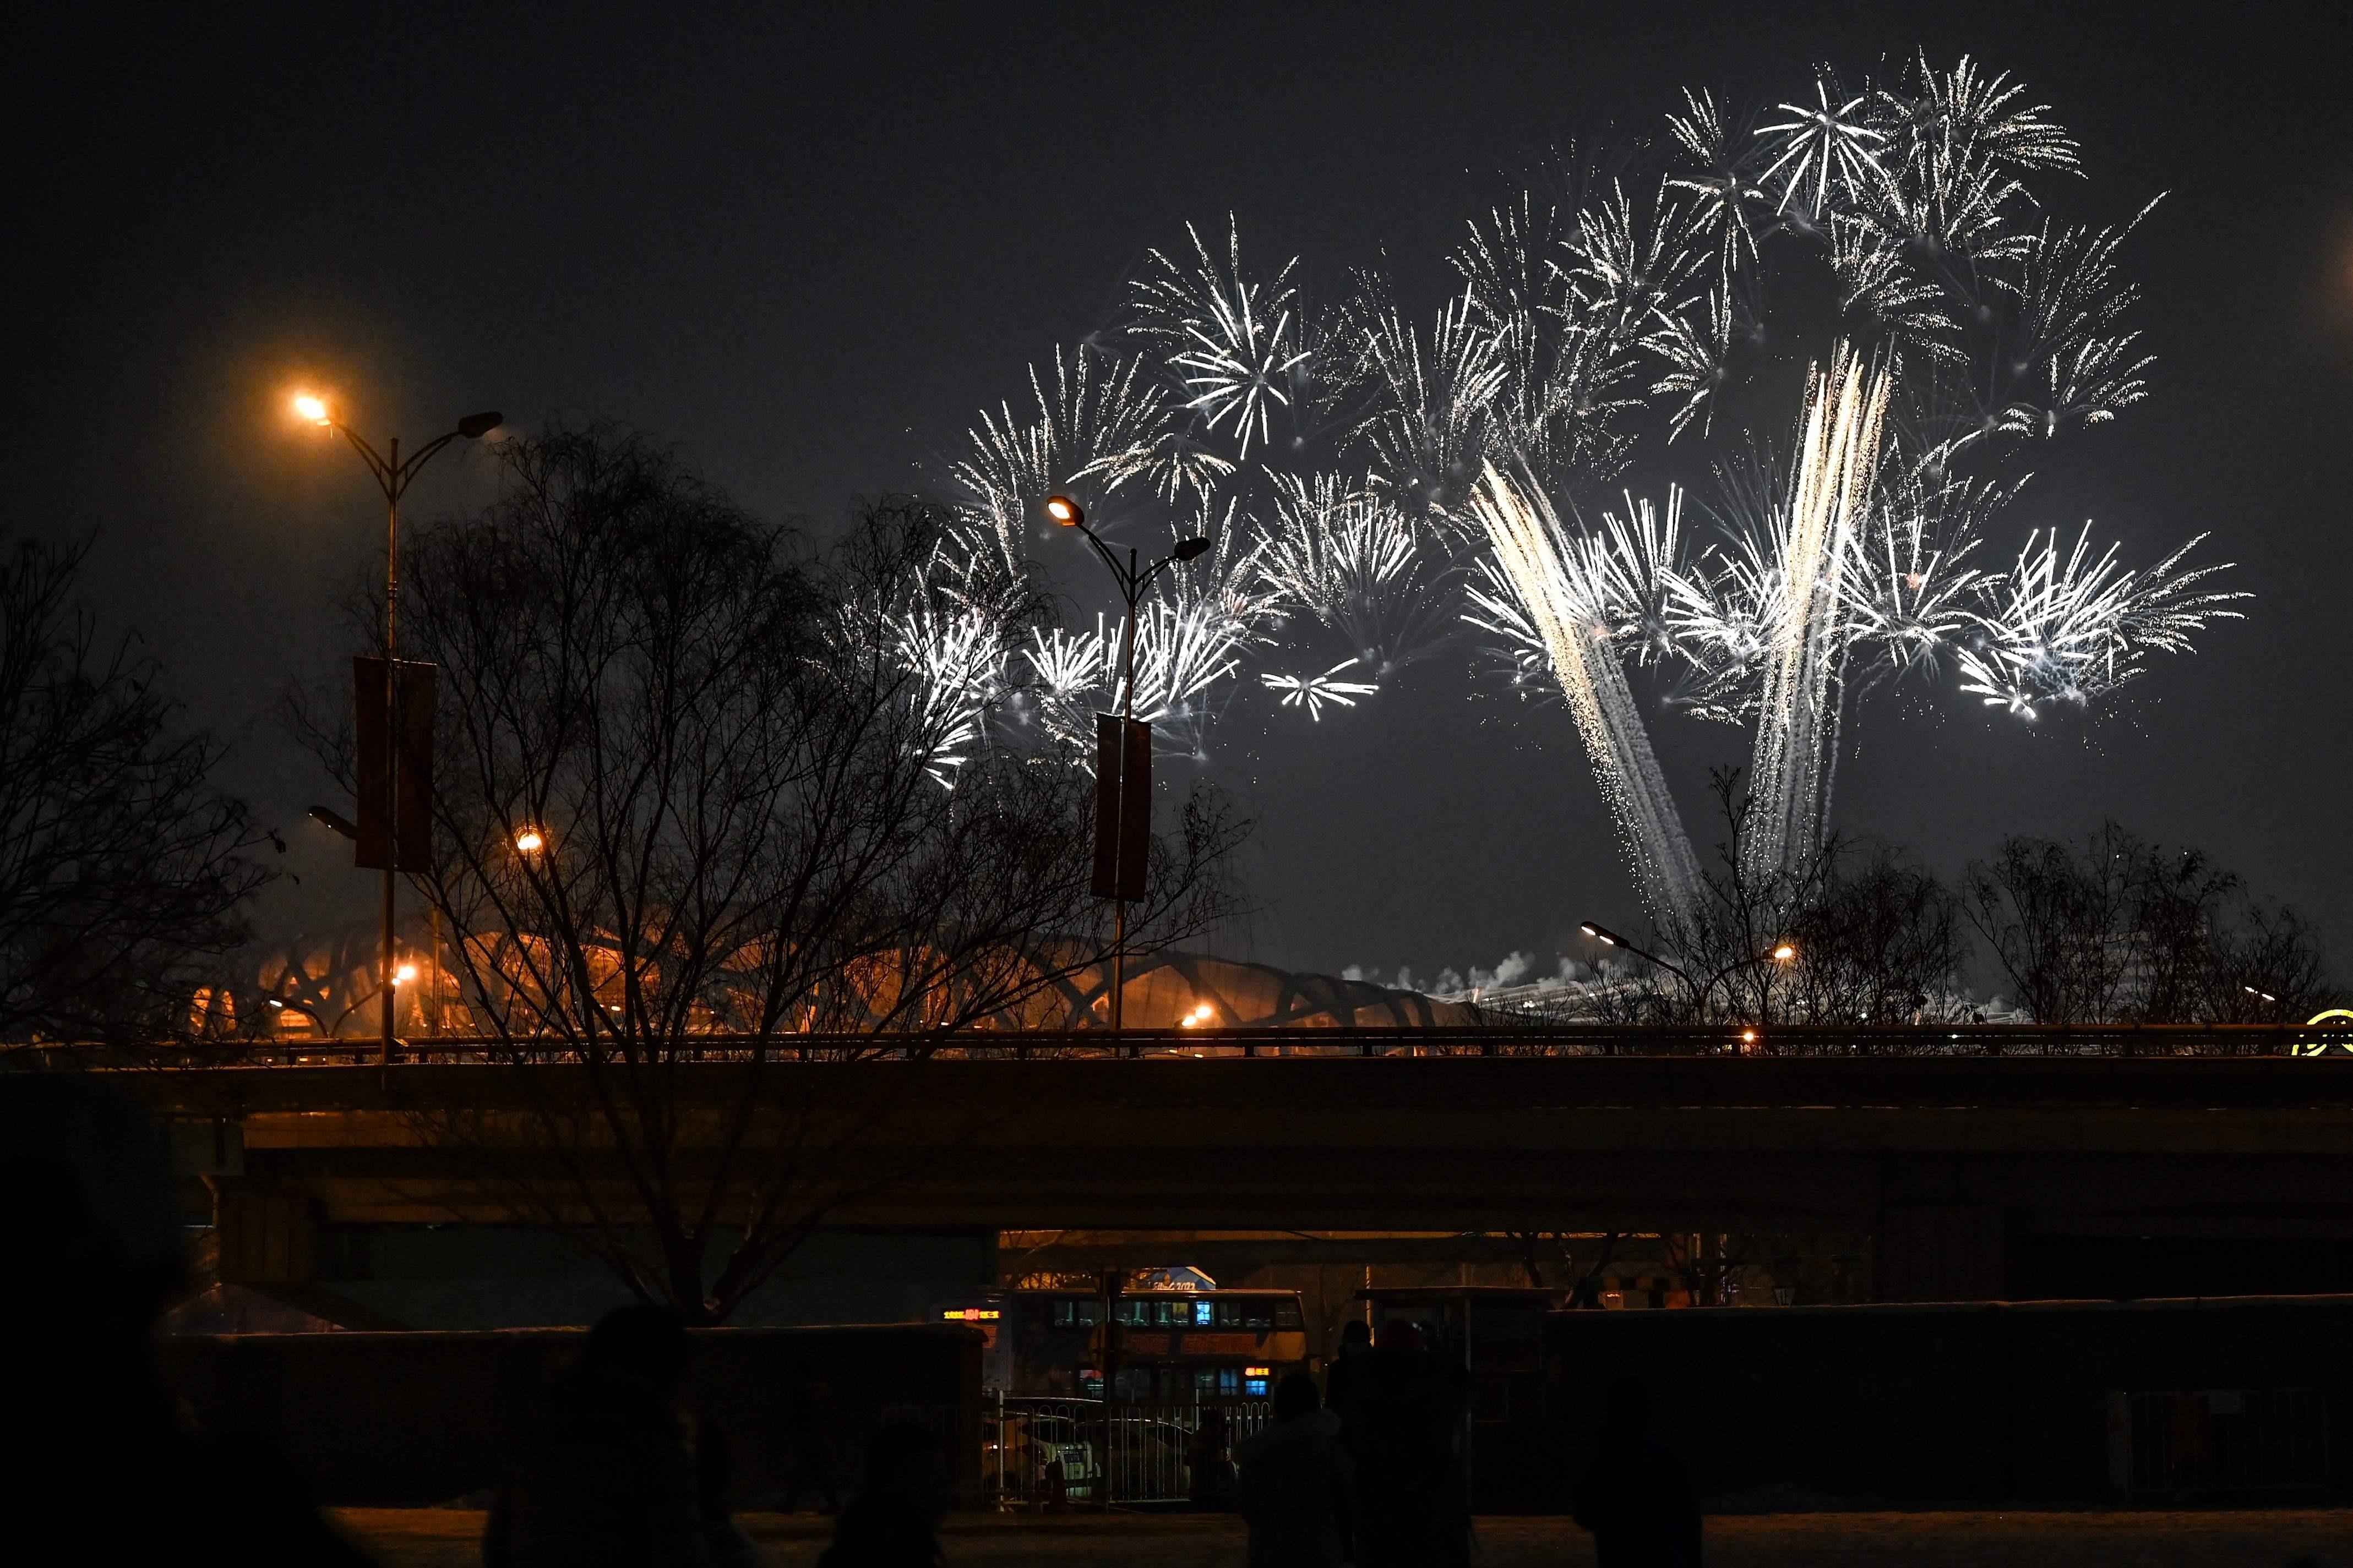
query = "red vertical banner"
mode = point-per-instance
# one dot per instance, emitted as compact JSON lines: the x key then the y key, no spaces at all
{"x":394,"y":835}
{"x":1123,"y":807}
{"x":1107,"y":764}
{"x":373,"y":762}
{"x":1134,"y":810}
{"x":413,"y":711}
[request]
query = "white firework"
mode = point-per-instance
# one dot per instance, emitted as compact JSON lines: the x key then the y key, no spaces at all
{"x":1716,"y":169}
{"x":1231,"y":342}
{"x":1428,"y":429}
{"x":1313,"y":692}
{"x":1352,"y":561}
{"x":956,"y":657}
{"x":1628,"y":266}
{"x":1911,"y":595}
{"x":1091,"y":421}
{"x":2070,"y":629}
{"x":1823,"y":150}
{"x":1697,"y":350}
{"x":1608,"y":304}
{"x":1070,"y":676}
{"x":1879,"y":287}
{"x":2064,"y":360}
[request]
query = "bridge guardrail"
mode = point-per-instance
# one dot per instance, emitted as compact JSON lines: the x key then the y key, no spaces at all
{"x":1818,"y":1041}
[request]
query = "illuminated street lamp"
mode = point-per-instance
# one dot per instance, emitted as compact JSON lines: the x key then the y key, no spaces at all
{"x":530,"y":841}
{"x":1133,"y":581}
{"x":1779,"y":953}
{"x":393,"y":475}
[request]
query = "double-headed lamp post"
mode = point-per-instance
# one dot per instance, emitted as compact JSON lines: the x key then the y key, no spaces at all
{"x":391,"y":473}
{"x":1779,"y":953}
{"x":1133,"y":581}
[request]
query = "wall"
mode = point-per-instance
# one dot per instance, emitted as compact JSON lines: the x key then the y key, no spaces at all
{"x":1981,"y":1403}
{"x":388,"y":1419}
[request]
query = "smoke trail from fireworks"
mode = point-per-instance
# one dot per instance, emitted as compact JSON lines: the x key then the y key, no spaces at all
{"x":1554,"y":582}
{"x":1797,"y":729}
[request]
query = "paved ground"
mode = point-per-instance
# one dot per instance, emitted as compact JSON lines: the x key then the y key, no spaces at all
{"x":444,"y":1538}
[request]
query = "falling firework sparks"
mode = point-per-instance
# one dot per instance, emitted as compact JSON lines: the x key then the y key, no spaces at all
{"x":1797,"y":730}
{"x":1562,"y":602}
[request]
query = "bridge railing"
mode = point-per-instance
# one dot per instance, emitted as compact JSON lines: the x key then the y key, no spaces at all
{"x":1971,"y":1040}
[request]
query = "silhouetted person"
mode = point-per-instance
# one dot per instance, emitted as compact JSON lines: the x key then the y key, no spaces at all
{"x":714,"y":1468}
{"x":1295,"y":1483}
{"x":1341,"y":1377}
{"x":893,"y":1520}
{"x":608,"y":1475}
{"x":1636,"y":1496}
{"x":95,"y":1252}
{"x":1208,"y":1462}
{"x":813,"y":1423}
{"x":1407,"y":1412}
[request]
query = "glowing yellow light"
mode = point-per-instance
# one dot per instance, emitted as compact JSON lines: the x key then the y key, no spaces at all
{"x":313,"y":408}
{"x":1254,"y":1372}
{"x":1785,"y":953}
{"x":2336,"y":1037}
{"x":1063,"y":509}
{"x":530,"y":841}
{"x":1199,"y":1015}
{"x":1748,"y":1037}
{"x":404,"y":975}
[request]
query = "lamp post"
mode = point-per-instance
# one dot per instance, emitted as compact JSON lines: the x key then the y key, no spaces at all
{"x":1779,"y":953}
{"x":1133,"y":581}
{"x":393,"y":475}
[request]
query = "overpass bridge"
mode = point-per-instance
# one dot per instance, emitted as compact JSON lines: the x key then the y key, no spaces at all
{"x":1966,"y":1157}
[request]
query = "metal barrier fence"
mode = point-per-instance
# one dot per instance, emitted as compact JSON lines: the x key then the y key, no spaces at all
{"x":1032,"y":1453}
{"x":1502,"y":1039}
{"x":2218,"y":1441}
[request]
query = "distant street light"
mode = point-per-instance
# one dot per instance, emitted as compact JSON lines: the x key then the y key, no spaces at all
{"x":529,"y":841}
{"x":393,"y":475}
{"x":1779,"y":953}
{"x":1133,"y":581}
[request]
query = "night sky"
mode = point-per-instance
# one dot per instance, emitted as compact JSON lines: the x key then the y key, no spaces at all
{"x":805,"y":245}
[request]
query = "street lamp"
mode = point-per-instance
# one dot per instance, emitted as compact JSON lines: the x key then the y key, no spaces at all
{"x":1779,"y":953}
{"x":1133,"y":581}
{"x":393,"y":475}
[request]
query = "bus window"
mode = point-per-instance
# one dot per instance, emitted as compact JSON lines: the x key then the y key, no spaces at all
{"x":1137,"y":1313}
{"x":1175,"y":1314}
{"x":1286,"y":1315}
{"x":1200,"y":1314}
{"x":1077,"y":1313}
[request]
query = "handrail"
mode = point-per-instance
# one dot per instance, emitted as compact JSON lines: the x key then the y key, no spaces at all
{"x":1570,"y":1040}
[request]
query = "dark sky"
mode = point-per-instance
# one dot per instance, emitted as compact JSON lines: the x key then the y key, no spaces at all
{"x":805,"y":243}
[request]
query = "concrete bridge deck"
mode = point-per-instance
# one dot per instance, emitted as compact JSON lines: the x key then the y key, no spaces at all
{"x":1953,"y":1163}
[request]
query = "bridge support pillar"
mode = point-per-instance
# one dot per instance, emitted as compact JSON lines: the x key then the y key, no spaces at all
{"x":267,"y":1232}
{"x":1942,"y":1252}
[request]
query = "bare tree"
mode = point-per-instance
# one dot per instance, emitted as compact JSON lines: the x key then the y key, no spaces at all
{"x":692,"y":792}
{"x":1854,"y":933}
{"x":1881,"y":943}
{"x":2118,"y":929}
{"x":124,"y":875}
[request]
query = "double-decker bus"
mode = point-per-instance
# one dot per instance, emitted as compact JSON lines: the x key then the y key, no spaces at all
{"x":1177,"y":1347}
